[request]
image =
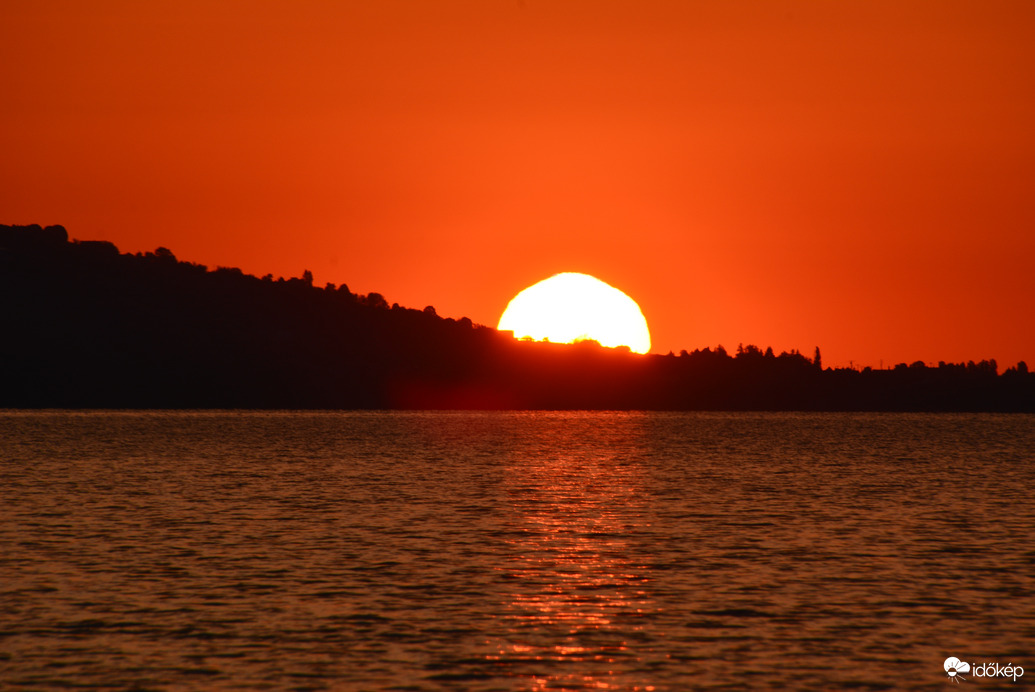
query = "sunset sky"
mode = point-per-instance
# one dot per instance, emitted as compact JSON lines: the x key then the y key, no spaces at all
{"x":854,"y":175}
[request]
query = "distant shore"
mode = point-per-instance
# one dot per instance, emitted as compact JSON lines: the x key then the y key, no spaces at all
{"x":90,"y":327}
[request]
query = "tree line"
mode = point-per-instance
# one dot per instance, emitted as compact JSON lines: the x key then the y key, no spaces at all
{"x":86,"y":326}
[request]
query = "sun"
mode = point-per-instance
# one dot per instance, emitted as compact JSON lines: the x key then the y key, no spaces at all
{"x":572,"y":307}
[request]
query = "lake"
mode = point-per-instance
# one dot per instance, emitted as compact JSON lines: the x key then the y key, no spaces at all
{"x":514,"y":551}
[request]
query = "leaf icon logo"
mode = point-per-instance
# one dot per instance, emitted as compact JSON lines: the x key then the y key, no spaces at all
{"x":953,"y":666}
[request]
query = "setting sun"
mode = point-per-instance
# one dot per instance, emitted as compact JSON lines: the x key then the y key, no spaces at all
{"x":572,"y":307}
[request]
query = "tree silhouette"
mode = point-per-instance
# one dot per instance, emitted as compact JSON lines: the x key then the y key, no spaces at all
{"x":86,"y":326}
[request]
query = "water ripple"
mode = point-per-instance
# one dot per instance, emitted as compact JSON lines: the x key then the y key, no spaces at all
{"x":511,"y":551}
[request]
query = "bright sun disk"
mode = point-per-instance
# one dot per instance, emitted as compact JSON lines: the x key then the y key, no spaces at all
{"x":572,"y":307}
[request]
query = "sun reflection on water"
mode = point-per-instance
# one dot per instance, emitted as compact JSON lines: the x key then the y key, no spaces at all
{"x":579,"y":599}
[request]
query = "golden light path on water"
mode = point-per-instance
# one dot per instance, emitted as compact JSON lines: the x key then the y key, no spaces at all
{"x":580,"y":600}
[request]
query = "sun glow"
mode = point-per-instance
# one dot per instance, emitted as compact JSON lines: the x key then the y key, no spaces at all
{"x":574,"y":307}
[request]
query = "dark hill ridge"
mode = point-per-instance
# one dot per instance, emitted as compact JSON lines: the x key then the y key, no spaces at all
{"x":86,"y":326}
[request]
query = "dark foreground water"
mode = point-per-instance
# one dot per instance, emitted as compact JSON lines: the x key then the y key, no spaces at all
{"x":514,"y":551}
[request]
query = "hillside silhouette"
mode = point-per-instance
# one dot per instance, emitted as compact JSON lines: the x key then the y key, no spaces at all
{"x":85,"y":326}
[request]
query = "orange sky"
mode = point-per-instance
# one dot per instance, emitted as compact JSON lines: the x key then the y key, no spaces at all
{"x":854,"y":175}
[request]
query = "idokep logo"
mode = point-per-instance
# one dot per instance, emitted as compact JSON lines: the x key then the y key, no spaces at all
{"x":954,"y":668}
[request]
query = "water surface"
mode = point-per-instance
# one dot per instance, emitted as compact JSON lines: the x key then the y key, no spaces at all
{"x":512,"y":551}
